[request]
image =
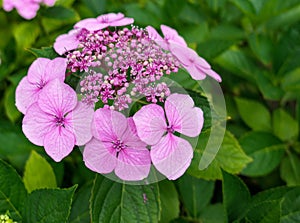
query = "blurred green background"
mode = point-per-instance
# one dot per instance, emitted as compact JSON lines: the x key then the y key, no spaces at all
{"x":253,"y":44}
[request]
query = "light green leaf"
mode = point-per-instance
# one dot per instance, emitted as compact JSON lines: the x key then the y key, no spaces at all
{"x":12,"y":192}
{"x":25,"y":34}
{"x":266,"y":151}
{"x":38,"y":173}
{"x":236,"y":197}
{"x":195,"y":193}
{"x":49,"y":205}
{"x":285,"y":126}
{"x":262,"y":47}
{"x":254,"y":114}
{"x":115,"y":202}
{"x":169,"y":201}
{"x":269,"y":90}
{"x":230,"y":158}
{"x":290,"y":170}
{"x":245,"y":6}
{"x":9,"y":103}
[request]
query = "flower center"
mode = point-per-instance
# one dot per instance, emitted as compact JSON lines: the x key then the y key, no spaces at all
{"x":118,"y":145}
{"x":40,"y":85}
{"x":104,"y":19}
{"x":170,"y":129}
{"x":60,"y":121}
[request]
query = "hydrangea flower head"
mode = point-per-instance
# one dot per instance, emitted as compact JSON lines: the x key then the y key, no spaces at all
{"x":57,"y":121}
{"x":26,"y":8}
{"x":40,"y":73}
{"x":170,"y":154}
{"x":116,"y":147}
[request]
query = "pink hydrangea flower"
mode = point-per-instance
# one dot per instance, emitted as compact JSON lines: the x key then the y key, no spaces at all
{"x":57,"y":121}
{"x":170,"y":36}
{"x":40,"y":73}
{"x":170,"y":154}
{"x":103,"y":21}
{"x":197,"y":67}
{"x":116,"y":147}
{"x":66,"y":42}
{"x":26,"y":8}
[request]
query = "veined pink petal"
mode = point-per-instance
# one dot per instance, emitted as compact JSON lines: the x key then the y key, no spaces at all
{"x":66,"y":42}
{"x":171,"y":156}
{"x":133,"y":164}
{"x":81,"y":122}
{"x":154,"y":35}
{"x":97,"y":157}
{"x":90,"y":24}
{"x":36,"y":124}
{"x":183,"y":116}
{"x":37,"y":70}
{"x":213,"y":74}
{"x":130,"y":137}
{"x":171,"y":34}
{"x":56,"y":68}
{"x":26,"y":95}
{"x":196,"y":74}
{"x":150,"y":123}
{"x":132,"y":126}
{"x":122,"y":22}
{"x":59,"y":143}
{"x":57,"y":98}
{"x":110,"y":17}
{"x":108,"y":125}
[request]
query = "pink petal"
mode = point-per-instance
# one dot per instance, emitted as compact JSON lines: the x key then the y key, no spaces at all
{"x":132,"y":126}
{"x":213,"y":74}
{"x":172,"y":156}
{"x":59,"y":143}
{"x":57,"y":98}
{"x":122,"y":22}
{"x":108,"y":125}
{"x":81,"y":121}
{"x":133,"y":164}
{"x":8,"y":5}
{"x":172,"y":35}
{"x":182,"y":115}
{"x":56,"y":68}
{"x":196,"y":74}
{"x":36,"y":124}
{"x":26,"y":95}
{"x":97,"y":157}
{"x":66,"y":42}
{"x":49,"y":2}
{"x":150,"y":123}
{"x":27,"y":10}
{"x":154,"y":35}
{"x":90,"y":24}
{"x":130,"y":137}
{"x":110,"y":17}
{"x":36,"y":71}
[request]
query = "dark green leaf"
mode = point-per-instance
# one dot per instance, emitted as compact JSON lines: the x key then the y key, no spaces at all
{"x":115,"y":202}
{"x":290,"y":169}
{"x":212,"y":214}
{"x":49,"y":205}
{"x":9,"y":102}
{"x":60,"y":13}
{"x":46,"y":52}
{"x":290,"y":207}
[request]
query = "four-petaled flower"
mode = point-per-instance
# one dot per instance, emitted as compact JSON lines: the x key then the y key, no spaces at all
{"x":116,"y":147}
{"x":57,"y":121}
{"x":40,"y":73}
{"x":103,"y":21}
{"x":170,"y":154}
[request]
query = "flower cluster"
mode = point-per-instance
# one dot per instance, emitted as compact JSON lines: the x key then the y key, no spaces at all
{"x":4,"y":218}
{"x":116,"y":67}
{"x":26,"y":8}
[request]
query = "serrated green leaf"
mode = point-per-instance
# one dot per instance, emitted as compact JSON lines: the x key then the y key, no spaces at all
{"x":236,"y":197}
{"x":266,"y":151}
{"x":49,"y":205}
{"x":115,"y":202}
{"x":169,"y":201}
{"x":195,"y":193}
{"x":254,"y":114}
{"x":285,"y":126}
{"x":290,"y":170}
{"x":80,"y":211}
{"x":12,"y":192}
{"x":38,"y":173}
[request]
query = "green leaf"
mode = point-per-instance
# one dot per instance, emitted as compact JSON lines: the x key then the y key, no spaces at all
{"x":236,"y":197}
{"x":49,"y":205}
{"x":115,"y":202}
{"x":12,"y":192}
{"x":262,"y":47}
{"x":38,"y":173}
{"x":245,"y":6}
{"x":25,"y":34}
{"x":212,"y":214}
{"x":290,"y":207}
{"x":60,"y":13}
{"x":290,"y":169}
{"x":169,"y":201}
{"x":285,"y":126}
{"x":46,"y":52}
{"x":80,"y":211}
{"x":230,"y":158}
{"x":195,"y":193}
{"x":9,"y":103}
{"x":254,"y":114}
{"x":266,"y":151}
{"x":269,"y":90}
{"x":96,"y":6}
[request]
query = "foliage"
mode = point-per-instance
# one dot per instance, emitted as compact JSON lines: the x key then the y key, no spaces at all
{"x":255,"y":176}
